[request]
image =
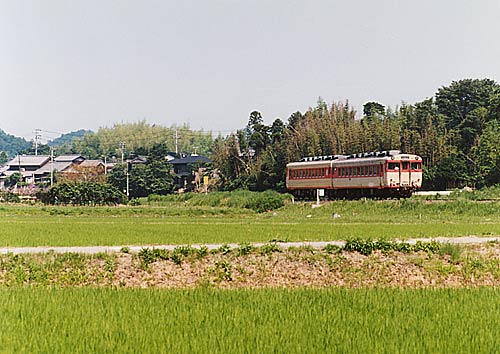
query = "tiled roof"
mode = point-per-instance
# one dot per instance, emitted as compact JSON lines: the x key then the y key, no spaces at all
{"x":57,"y":166}
{"x":91,"y":163}
{"x":68,"y":158}
{"x":29,"y":160}
{"x":190,"y":159}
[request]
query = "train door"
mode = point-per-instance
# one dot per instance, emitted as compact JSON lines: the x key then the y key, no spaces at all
{"x":405,"y":174}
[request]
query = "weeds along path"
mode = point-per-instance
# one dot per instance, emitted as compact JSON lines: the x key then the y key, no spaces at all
{"x":284,"y":245}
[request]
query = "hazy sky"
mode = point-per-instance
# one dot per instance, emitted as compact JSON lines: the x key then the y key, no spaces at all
{"x":67,"y":65}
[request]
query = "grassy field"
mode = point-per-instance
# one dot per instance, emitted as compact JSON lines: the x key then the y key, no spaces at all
{"x":242,"y":321}
{"x":180,"y":223}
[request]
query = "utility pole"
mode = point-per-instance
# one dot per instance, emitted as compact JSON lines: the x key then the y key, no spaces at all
{"x":176,"y":142}
{"x":36,"y":140}
{"x":128,"y":192}
{"x":51,"y":166}
{"x":122,"y":148}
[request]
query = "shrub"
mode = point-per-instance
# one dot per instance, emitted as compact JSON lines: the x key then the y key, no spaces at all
{"x":265,"y":201}
{"x":82,"y":193}
{"x":9,"y":197}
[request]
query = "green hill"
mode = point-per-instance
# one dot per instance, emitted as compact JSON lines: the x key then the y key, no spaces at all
{"x":11,"y":144}
{"x":68,"y":137}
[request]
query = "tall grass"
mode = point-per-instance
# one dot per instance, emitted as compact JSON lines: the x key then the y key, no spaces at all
{"x":249,"y":321}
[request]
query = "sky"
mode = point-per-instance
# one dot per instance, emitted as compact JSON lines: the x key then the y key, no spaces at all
{"x":85,"y":64}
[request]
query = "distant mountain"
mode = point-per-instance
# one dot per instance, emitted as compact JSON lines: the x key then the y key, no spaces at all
{"x":68,"y":137}
{"x":11,"y":144}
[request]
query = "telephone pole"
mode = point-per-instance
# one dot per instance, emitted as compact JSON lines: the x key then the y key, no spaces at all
{"x":36,"y":140}
{"x":122,"y":148}
{"x":176,"y":142}
{"x":51,"y":166}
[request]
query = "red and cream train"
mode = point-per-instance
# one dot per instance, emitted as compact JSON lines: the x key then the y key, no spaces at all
{"x":376,"y":174}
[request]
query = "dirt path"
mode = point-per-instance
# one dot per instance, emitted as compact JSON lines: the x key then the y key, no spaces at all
{"x":133,"y":249}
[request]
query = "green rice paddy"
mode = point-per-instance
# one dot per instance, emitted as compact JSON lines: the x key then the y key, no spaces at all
{"x":83,"y":226}
{"x":249,"y":321}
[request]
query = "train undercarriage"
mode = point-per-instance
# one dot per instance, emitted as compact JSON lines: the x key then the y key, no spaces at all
{"x":331,"y":194}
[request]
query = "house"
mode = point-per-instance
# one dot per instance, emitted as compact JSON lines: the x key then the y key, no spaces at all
{"x":39,"y":168}
{"x":87,"y":170}
{"x":186,"y":167}
{"x":60,"y":164}
{"x":26,"y":165}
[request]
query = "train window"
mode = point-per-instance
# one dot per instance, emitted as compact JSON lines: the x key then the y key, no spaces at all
{"x":393,"y":166}
{"x":416,"y":166}
{"x":405,"y":165}
{"x":370,"y":170}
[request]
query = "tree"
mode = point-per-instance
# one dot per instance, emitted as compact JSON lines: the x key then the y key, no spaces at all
{"x":488,"y":154}
{"x":258,"y":133}
{"x":373,"y":109}
{"x":13,"y":179}
{"x":154,"y":177}
{"x":462,"y":97}
{"x":466,"y":106}
{"x":3,"y":157}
